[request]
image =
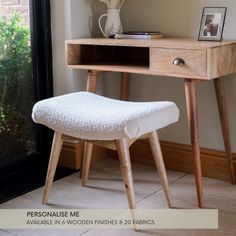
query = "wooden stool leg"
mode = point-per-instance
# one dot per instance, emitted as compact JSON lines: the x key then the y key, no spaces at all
{"x":220,"y":96}
{"x":157,"y":154}
{"x":81,"y":163}
{"x":191,"y":99}
{"x":124,"y":157}
{"x":88,"y":148}
{"x":54,"y":157}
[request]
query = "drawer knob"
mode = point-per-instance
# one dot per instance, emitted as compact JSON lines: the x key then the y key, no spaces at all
{"x":179,"y":62}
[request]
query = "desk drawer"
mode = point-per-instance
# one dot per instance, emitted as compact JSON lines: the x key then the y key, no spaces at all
{"x":194,"y":62}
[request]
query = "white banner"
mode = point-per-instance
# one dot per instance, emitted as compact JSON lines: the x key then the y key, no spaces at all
{"x":108,"y":219}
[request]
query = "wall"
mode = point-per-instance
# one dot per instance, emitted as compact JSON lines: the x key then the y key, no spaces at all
{"x":179,"y":18}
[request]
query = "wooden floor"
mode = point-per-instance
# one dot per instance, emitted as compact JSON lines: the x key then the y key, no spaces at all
{"x":105,"y":190}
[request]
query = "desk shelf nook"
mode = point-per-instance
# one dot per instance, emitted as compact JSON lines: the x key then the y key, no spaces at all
{"x":189,"y":59}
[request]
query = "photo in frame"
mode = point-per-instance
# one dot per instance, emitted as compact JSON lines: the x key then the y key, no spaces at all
{"x":212,"y":24}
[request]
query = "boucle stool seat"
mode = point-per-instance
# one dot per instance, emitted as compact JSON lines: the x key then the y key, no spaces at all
{"x":107,"y":122}
{"x":89,"y":116}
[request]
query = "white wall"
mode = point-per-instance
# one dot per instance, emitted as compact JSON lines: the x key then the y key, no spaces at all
{"x":78,"y":18}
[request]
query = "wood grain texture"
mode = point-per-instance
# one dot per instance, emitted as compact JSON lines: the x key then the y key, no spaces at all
{"x":175,"y":43}
{"x":113,"y":68}
{"x":191,"y":100}
{"x":221,"y":61}
{"x":73,"y":54}
{"x":124,"y":88}
{"x":204,"y":60}
{"x":158,"y":158}
{"x":71,"y":154}
{"x":126,"y":170}
{"x":220,"y":95}
{"x":92,"y":81}
{"x":88,"y":148}
{"x":195,"y":62}
{"x":53,"y":161}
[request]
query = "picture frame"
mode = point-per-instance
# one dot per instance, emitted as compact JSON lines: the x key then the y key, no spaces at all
{"x":212,"y":24}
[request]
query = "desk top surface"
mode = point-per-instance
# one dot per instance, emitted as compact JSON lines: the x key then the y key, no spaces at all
{"x":184,"y":43}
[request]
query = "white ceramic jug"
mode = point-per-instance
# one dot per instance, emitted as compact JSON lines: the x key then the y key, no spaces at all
{"x":113,"y":23}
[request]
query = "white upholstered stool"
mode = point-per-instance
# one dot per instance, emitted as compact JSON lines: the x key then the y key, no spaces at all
{"x":109,"y":123}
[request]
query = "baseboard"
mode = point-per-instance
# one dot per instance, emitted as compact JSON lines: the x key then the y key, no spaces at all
{"x":71,"y":154}
{"x":179,"y":157}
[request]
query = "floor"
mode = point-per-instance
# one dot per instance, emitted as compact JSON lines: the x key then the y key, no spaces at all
{"x":106,"y":190}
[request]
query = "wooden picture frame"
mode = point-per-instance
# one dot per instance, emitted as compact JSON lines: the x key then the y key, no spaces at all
{"x":212,"y":24}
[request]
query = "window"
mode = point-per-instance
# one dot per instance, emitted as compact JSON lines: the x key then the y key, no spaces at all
{"x":26,"y":76}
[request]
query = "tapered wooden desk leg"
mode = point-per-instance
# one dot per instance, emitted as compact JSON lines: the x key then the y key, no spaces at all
{"x":91,"y":87}
{"x":220,"y":96}
{"x":124,"y":90}
{"x":191,"y":99}
{"x":92,"y":81}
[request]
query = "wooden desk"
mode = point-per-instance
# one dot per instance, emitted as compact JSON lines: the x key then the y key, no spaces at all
{"x":189,"y":59}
